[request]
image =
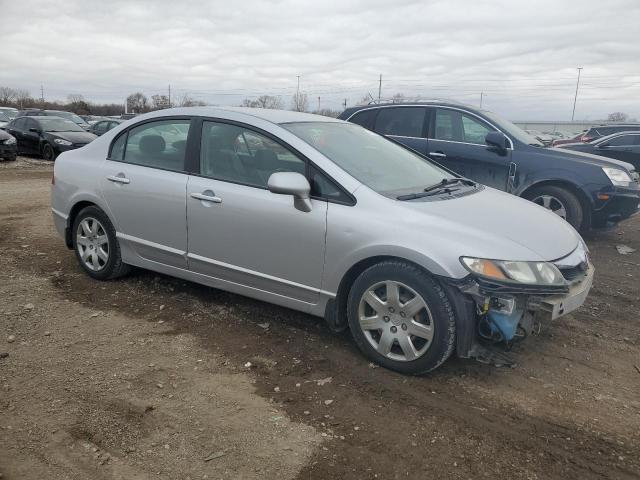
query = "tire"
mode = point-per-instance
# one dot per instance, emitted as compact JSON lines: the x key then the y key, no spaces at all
{"x":431,"y":331}
{"x":559,"y":200}
{"x":91,"y":232}
{"x":48,"y":153}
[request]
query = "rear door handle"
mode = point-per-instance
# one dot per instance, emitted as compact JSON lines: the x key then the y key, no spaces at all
{"x":207,"y":196}
{"x":120,"y":178}
{"x":437,"y":154}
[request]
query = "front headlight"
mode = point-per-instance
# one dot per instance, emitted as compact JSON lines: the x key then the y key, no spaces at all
{"x":60,"y":141}
{"x":531,"y":273}
{"x":10,"y":141}
{"x":617,"y":176}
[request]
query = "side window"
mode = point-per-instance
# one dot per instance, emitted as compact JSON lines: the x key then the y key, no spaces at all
{"x":448,"y":125}
{"x":29,"y":123}
{"x":324,"y":187}
{"x":401,"y":121}
{"x":473,"y":130}
{"x":19,"y":123}
{"x":160,"y":144}
{"x":365,"y":118}
{"x":117,"y":148}
{"x":235,"y":154}
{"x":621,"y":141}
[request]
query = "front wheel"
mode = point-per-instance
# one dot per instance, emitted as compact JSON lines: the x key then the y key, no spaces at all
{"x":401,"y":318}
{"x":48,"y":153}
{"x":560,"y":201}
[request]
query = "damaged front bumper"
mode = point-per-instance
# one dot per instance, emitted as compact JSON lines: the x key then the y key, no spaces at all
{"x":498,"y":313}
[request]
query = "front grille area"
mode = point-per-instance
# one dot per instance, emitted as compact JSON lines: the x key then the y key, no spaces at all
{"x":574,"y":273}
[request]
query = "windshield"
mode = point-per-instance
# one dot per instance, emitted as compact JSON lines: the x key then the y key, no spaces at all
{"x":512,"y":130}
{"x":10,"y":114}
{"x":68,"y":115}
{"x":4,"y":117}
{"x":58,"y":125}
{"x":380,"y":164}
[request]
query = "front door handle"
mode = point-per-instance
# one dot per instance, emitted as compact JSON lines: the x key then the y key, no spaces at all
{"x":437,"y":154}
{"x":120,"y":178}
{"x":207,"y":196}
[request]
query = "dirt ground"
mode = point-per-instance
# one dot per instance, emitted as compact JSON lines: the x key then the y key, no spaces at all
{"x":154,"y":377}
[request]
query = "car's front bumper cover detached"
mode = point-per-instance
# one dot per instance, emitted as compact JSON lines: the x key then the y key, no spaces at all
{"x":505,"y":313}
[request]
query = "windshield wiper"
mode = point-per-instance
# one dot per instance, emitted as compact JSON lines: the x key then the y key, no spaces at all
{"x":437,"y":188}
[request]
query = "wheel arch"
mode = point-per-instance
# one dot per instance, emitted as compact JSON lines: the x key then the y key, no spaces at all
{"x":585,"y":201}
{"x":77,"y":207}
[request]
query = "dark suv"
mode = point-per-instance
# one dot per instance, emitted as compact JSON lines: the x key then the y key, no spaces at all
{"x":589,"y":191}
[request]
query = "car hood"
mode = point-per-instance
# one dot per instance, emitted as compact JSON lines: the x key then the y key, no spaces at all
{"x":74,"y":137}
{"x":570,"y":152}
{"x":496,"y":225}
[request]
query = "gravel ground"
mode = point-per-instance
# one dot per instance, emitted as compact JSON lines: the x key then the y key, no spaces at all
{"x":154,"y":377}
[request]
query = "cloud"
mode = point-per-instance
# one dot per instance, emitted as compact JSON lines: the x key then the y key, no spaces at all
{"x":522,"y":54}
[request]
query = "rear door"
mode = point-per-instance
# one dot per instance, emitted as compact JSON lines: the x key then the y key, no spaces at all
{"x":456,"y":140}
{"x":144,"y":186}
{"x":242,"y":233}
{"x":31,"y":139}
{"x":16,"y":128}
{"x":407,"y":125}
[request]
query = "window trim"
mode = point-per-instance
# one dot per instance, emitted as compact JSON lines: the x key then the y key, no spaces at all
{"x":195,"y":164}
{"x":125,"y":132}
{"x":432,"y":127}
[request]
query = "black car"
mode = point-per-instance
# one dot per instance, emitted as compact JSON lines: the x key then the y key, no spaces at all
{"x":623,"y":146}
{"x":587,"y":190}
{"x":36,"y":112}
{"x":47,"y":136}
{"x":8,"y":146}
{"x":600,"y":131}
{"x":103,"y":126}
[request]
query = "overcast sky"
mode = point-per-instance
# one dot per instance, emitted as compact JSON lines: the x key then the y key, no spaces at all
{"x":522,"y":54}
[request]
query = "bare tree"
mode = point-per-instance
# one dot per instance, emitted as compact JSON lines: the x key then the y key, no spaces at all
{"x":398,"y":98}
{"x":158,"y":102}
{"x":23,"y":98}
{"x":299,"y":102}
{"x":7,"y":95}
{"x":75,"y":98}
{"x":263,"y":101}
{"x":618,"y":117}
{"x":137,"y":103}
{"x":366,"y":100}
{"x":187,"y":101}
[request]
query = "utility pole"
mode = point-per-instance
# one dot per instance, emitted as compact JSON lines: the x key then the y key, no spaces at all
{"x":380,"y":88}
{"x":576,"y":95}
{"x":169,"y":95}
{"x":42,"y":93}
{"x":298,"y":94}
{"x":481,"y":95}
{"x":345,"y":103}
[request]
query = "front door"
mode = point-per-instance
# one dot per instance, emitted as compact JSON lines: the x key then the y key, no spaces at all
{"x":624,"y":147}
{"x":242,"y":233}
{"x":144,"y":187}
{"x":456,"y":140}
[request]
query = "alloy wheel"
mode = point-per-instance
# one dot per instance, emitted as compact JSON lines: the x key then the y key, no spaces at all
{"x":551,"y":203}
{"x":396,"y":321}
{"x":92,"y":244}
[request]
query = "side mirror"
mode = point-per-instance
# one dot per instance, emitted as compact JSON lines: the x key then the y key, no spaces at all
{"x":496,"y":140}
{"x":291,"y":183}
{"x":34,"y":130}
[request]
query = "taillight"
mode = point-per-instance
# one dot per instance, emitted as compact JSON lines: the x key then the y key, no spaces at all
{"x":586,"y":139}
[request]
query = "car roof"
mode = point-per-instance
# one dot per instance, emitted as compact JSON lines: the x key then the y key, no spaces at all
{"x":273,"y":116}
{"x":423,"y":103}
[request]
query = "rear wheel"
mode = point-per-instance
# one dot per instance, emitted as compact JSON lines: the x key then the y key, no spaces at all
{"x":401,"y":318}
{"x":96,"y":246}
{"x":560,"y":201}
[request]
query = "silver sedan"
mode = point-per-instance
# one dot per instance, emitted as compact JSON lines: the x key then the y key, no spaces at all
{"x":325,"y":217}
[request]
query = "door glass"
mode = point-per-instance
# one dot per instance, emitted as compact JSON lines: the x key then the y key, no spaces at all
{"x":474,"y":131}
{"x":160,"y":144}
{"x":621,"y":141}
{"x":100,"y":128}
{"x":365,"y":118}
{"x":449,"y":125}
{"x":325,"y":188}
{"x":236,"y":154}
{"x":401,"y":121}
